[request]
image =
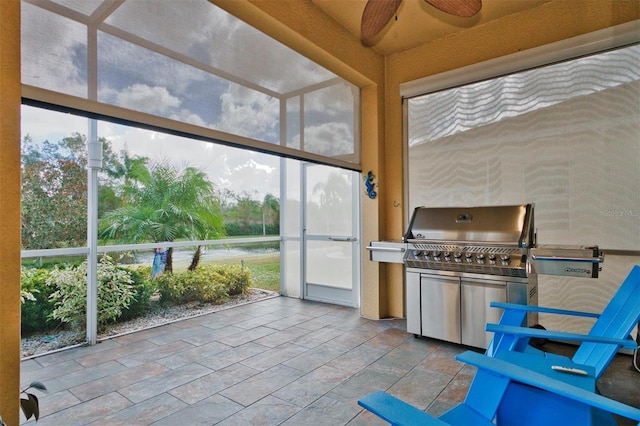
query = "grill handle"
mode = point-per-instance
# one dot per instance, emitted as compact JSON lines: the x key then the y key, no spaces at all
{"x":393,"y":249}
{"x":344,"y":239}
{"x":568,"y":259}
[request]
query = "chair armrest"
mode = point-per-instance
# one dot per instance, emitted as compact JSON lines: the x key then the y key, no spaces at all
{"x":558,"y":335}
{"x":539,"y":380}
{"x":396,"y":411}
{"x":542,"y":309}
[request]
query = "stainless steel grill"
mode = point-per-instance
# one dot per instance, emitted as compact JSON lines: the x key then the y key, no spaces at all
{"x":480,"y":240}
{"x":458,"y":259}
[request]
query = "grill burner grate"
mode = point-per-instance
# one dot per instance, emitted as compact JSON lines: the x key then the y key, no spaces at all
{"x":473,"y":268}
{"x":481,"y":240}
{"x":466,"y":249}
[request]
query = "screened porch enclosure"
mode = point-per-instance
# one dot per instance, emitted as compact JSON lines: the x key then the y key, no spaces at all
{"x":186,"y":83}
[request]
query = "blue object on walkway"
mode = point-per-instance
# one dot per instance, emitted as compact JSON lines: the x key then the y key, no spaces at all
{"x":515,"y":385}
{"x":610,"y":332}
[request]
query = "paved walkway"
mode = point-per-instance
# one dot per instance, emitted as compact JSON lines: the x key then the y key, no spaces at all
{"x":276,"y":361}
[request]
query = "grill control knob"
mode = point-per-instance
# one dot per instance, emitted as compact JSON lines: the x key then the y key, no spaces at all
{"x":436,"y":255}
{"x":492,"y":257}
{"x":480,"y":258}
{"x":468,"y":257}
{"x":505,"y":257}
{"x":457,"y":255}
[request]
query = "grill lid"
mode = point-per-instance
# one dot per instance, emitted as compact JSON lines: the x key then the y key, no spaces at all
{"x":486,"y":226}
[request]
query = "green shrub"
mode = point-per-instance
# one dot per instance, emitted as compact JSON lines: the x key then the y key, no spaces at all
{"x":208,"y":283}
{"x":37,"y":308}
{"x":143,"y":289}
{"x":115,"y":292}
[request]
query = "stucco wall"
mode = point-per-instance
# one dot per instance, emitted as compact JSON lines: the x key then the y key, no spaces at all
{"x":10,"y":211}
{"x":551,"y":22}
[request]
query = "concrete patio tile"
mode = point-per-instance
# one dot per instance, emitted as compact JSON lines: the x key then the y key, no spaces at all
{"x":314,"y":358}
{"x":268,"y":411}
{"x":439,"y":407}
{"x":163,"y":382}
{"x":363,"y":383}
{"x":324,"y":411}
{"x":144,"y":413}
{"x":312,"y":386}
{"x":275,"y":356}
{"x":231,"y":356}
{"x":115,"y":352}
{"x":296,"y":374}
{"x":178,"y":334}
{"x":113,"y":382}
{"x":83,"y":414}
{"x":192,"y":354}
{"x":319,"y":337}
{"x":73,"y":353}
{"x":205,"y":386}
{"x":136,"y":359}
{"x":206,"y":412}
{"x":261,"y":385}
{"x":288,"y":321}
{"x":443,"y":361}
{"x":389,"y":338}
{"x":403,"y":358}
{"x":420,"y":387}
{"x":282,"y":336}
{"x":45,"y":374}
{"x":57,"y":401}
{"x":352,"y":338}
{"x":258,"y":321}
{"x":357,"y":359}
{"x":246,"y":336}
{"x":456,"y":391}
{"x":145,"y":334}
{"x":79,"y":377}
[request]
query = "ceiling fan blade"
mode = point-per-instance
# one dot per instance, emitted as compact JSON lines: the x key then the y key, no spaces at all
{"x":462,"y":8}
{"x":376,"y":15}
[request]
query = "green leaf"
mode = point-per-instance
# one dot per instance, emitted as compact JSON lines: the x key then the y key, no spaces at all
{"x":38,"y":385}
{"x":31,"y":406}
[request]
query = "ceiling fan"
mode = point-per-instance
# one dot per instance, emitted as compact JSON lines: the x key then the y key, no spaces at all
{"x":377,"y":13}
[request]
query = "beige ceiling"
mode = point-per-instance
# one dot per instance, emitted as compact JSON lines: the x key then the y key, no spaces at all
{"x":417,"y":21}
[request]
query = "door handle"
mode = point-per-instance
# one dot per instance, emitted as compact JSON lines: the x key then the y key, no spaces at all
{"x":343,"y":239}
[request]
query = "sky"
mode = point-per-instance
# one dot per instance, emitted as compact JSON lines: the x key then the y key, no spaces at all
{"x":192,"y":62}
{"x":238,"y":170}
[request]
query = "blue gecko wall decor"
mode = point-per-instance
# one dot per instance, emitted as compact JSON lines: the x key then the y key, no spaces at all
{"x":370,"y":184}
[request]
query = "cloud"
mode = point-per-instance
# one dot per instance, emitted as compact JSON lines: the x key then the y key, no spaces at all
{"x":329,"y":139}
{"x":236,"y":169}
{"x":53,"y":51}
{"x":249,"y":113}
{"x":140,"y":97}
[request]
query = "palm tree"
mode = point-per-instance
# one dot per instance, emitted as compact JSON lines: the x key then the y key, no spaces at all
{"x":270,"y":211}
{"x":163,"y":205}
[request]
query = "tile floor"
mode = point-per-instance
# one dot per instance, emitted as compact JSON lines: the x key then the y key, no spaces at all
{"x":276,"y":361}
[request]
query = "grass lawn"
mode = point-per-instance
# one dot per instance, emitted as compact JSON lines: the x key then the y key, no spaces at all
{"x":265,"y":269}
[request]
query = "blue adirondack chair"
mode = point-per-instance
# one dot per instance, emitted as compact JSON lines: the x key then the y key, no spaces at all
{"x":608,"y":334}
{"x":487,"y":391}
{"x":514,"y":385}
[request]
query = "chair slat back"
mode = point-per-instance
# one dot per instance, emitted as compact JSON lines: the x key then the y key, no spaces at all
{"x":616,"y":321}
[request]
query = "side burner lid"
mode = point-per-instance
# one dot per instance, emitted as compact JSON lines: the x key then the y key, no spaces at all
{"x":493,"y":225}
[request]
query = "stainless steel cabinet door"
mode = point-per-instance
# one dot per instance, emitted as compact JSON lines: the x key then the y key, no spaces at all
{"x":476,"y":296}
{"x":412,"y":304}
{"x":440,"y":298}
